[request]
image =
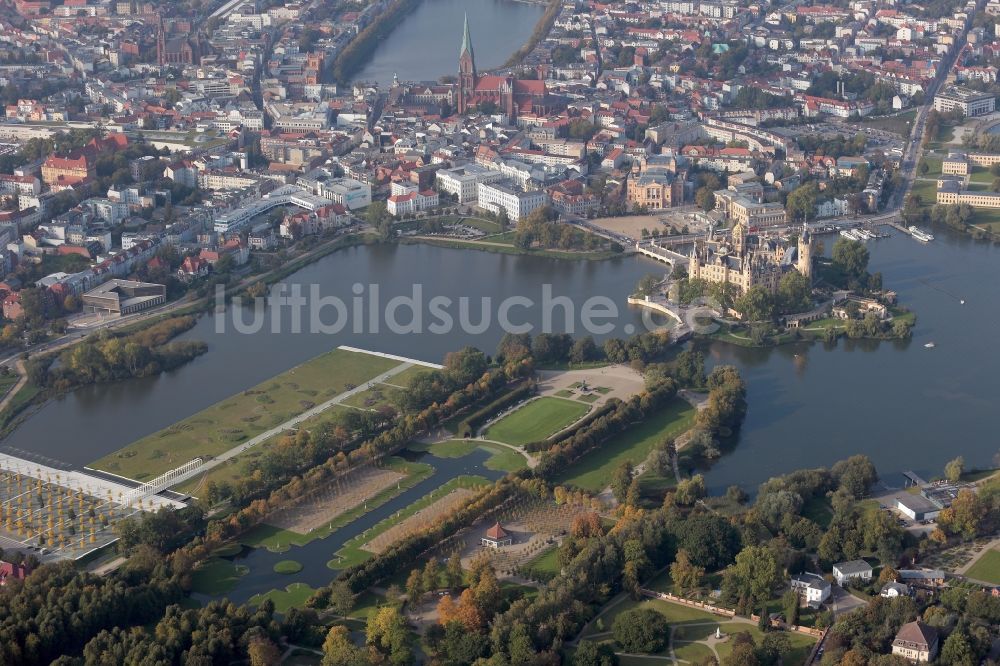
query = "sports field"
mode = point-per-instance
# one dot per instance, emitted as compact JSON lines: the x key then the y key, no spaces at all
{"x":238,"y":418}
{"x":536,"y":421}
{"x":593,"y":471}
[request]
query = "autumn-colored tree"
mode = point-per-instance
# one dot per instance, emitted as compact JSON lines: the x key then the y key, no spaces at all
{"x":685,"y":574}
{"x":467,"y":610}
{"x":263,"y":652}
{"x":587,"y":525}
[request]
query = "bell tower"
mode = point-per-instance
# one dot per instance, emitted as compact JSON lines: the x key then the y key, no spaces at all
{"x":466,"y":71}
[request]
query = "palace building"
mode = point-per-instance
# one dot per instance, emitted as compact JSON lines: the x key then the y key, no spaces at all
{"x":749,"y":260}
{"x":512,"y":96}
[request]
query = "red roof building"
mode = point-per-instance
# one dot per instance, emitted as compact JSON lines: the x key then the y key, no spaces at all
{"x":497,"y":537}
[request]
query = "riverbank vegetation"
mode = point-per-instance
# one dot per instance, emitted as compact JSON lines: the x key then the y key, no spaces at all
{"x":542,"y":29}
{"x":359,"y":50}
{"x":108,"y":356}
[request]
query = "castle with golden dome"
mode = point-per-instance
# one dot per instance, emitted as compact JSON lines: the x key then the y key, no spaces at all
{"x":748,"y":260}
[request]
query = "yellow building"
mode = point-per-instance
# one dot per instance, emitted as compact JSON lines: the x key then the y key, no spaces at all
{"x":654,"y":190}
{"x":748,"y":260}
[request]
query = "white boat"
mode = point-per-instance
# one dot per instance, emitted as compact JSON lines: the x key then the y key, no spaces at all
{"x":920,"y":234}
{"x":864,"y":234}
{"x":850,"y":233}
{"x":930,"y":345}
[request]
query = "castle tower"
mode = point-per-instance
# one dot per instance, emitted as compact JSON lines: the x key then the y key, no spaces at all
{"x":466,"y":71}
{"x":803,"y":257}
{"x":740,"y":239}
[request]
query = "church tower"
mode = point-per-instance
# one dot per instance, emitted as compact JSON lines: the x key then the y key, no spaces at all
{"x":161,"y":40}
{"x":466,"y":71}
{"x":803,"y":257}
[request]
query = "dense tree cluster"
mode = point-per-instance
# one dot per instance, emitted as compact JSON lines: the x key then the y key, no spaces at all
{"x":106,"y":356}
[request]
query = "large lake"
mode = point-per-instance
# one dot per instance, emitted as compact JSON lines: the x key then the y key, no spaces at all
{"x":425,"y":45}
{"x":906,"y":406}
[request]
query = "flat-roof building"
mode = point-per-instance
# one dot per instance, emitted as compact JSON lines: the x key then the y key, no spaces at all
{"x":969,"y":102}
{"x":121,"y":297}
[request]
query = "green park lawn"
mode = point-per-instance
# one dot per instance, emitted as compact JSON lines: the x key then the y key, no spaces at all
{"x":676,"y":614}
{"x":981,"y":175}
{"x":934,"y":167}
{"x":279,"y":540}
{"x":236,"y":467}
{"x":593,"y":471}
{"x":502,"y":459}
{"x":988,"y":218}
{"x":535,"y":421}
{"x":287,"y":567}
{"x":226,"y":424}
{"x":987,"y":568}
{"x":545,"y":564}
{"x":926,"y":190}
{"x":801,"y":643}
{"x":293,"y":596}
{"x":216,"y":577}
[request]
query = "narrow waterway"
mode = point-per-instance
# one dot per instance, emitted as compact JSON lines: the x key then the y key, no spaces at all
{"x":424,"y":47}
{"x":315,"y":555}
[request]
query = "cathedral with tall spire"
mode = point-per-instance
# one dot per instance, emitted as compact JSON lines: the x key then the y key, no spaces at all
{"x":511,"y":96}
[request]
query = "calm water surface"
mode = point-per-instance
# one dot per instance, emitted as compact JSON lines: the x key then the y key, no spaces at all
{"x":906,"y":406}
{"x":425,"y":45}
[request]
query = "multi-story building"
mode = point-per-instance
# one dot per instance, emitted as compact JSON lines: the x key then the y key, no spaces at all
{"x":917,"y":642}
{"x":748,"y":260}
{"x":969,"y":102}
{"x":499,"y":196}
{"x":463,"y":181}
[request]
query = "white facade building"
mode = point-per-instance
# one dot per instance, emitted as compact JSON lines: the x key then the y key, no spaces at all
{"x":498,"y":196}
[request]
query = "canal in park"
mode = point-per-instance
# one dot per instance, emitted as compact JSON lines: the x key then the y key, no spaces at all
{"x":314,"y":556}
{"x":425,"y":45}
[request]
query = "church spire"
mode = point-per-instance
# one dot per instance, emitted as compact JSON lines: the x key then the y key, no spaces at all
{"x":466,"y":40}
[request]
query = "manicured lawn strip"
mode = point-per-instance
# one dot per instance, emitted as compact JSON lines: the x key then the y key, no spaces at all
{"x":279,"y":540}
{"x":987,"y":568}
{"x":536,"y":421}
{"x":926,"y":190}
{"x":547,"y":563}
{"x":801,"y":643}
{"x":293,"y":596}
{"x":676,"y":614}
{"x":933,"y":167}
{"x":352,"y":552}
{"x":503,"y":459}
{"x":225,"y":424}
{"x":452,"y":448}
{"x":216,"y":577}
{"x":694,"y":653}
{"x":986,"y":217}
{"x":235,"y":468}
{"x":287,"y":567}
{"x":590,"y":398}
{"x":565,"y":393}
{"x":593,"y":471}
{"x":981,"y":175}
